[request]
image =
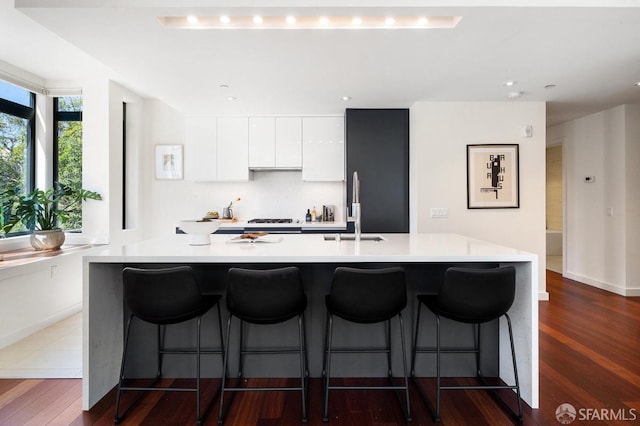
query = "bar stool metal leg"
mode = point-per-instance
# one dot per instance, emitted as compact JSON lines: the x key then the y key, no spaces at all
{"x":225,"y":363}
{"x":327,"y":368}
{"x":303,"y":366}
{"x":404,"y":369}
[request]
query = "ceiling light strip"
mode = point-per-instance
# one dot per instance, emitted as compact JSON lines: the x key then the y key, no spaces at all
{"x":310,"y":22}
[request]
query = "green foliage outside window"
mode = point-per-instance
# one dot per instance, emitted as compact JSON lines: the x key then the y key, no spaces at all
{"x":70,"y":156}
{"x":13,"y":151}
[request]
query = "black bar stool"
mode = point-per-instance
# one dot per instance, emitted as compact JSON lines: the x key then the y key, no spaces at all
{"x":163,"y":297}
{"x":266,"y":297}
{"x":366,"y":296}
{"x":473,"y":296}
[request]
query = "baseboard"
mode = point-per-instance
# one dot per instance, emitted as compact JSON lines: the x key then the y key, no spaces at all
{"x":543,"y":296}
{"x":622,"y":291}
{"x":18,"y":335}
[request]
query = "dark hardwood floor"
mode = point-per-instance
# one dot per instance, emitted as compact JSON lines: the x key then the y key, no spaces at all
{"x":589,"y":358}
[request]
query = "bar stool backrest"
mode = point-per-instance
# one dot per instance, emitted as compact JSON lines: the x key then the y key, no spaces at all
{"x":476,"y":295}
{"x":163,"y":296}
{"x":265,"y":296}
{"x":367,"y":295}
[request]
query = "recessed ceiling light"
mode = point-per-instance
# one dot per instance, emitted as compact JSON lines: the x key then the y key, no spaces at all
{"x":346,"y":98}
{"x":224,"y":86}
{"x":510,"y":83}
{"x":311,"y":21}
{"x":231,"y":98}
{"x":514,"y":95}
{"x":550,"y":86}
{"x":637,"y":84}
{"x":192,"y":19}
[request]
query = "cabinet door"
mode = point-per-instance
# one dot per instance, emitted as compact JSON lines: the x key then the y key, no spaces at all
{"x":288,"y":153}
{"x":262,"y":142}
{"x":323,"y":148}
{"x":378,"y":149}
{"x":200,"y":149}
{"x":233,"y":148}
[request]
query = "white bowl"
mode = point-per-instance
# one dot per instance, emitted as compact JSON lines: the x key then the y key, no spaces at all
{"x":199,"y":231}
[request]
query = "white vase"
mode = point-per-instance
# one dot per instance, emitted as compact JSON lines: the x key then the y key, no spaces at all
{"x":47,"y":240}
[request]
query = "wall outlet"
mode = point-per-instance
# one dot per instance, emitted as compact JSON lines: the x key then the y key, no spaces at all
{"x":589,"y":179}
{"x":440,"y":212}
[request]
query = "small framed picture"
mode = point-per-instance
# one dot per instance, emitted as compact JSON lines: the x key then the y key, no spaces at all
{"x":168,"y":161}
{"x":492,"y":177}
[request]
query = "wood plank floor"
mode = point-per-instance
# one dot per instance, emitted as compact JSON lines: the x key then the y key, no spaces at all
{"x":589,"y":357}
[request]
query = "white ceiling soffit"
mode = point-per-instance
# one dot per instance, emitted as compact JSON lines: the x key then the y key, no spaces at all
{"x":588,"y":53}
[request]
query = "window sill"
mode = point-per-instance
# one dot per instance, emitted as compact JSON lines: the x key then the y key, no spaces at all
{"x":26,"y":260}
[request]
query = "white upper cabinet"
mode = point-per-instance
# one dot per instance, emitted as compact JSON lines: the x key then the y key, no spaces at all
{"x":216,"y":149}
{"x":262,"y":142}
{"x":232,"y":161}
{"x":323,"y":149}
{"x":289,"y":142}
{"x":200,"y":149}
{"x":275,"y":142}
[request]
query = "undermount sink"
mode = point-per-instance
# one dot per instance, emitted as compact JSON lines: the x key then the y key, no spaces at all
{"x":352,"y":237}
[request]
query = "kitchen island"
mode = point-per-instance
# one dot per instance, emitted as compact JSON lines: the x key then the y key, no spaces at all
{"x":424,"y":257}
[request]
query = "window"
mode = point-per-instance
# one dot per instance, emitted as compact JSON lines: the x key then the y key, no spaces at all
{"x":17,"y":140}
{"x":67,"y":146}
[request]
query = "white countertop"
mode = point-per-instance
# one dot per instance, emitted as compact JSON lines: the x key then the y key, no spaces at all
{"x":311,"y":248}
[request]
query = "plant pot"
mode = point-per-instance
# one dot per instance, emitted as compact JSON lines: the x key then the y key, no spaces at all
{"x":47,"y":240}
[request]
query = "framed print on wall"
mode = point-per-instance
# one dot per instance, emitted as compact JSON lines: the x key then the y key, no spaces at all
{"x":492,"y":177}
{"x":168,"y":161}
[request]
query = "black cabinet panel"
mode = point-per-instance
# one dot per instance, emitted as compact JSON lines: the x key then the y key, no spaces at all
{"x":378,"y":149}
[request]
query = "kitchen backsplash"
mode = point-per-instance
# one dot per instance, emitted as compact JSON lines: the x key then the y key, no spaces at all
{"x":269,"y":194}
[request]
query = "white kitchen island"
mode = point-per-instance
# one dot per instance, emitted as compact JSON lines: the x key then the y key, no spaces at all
{"x":424,"y":257}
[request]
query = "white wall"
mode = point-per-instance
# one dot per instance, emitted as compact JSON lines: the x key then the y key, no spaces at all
{"x":103,"y":159}
{"x":601,"y":219}
{"x":440,"y":132}
{"x":268,"y":193}
{"x":632,"y":198}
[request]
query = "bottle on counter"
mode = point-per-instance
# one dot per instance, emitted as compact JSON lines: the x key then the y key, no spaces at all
{"x":307,"y":217}
{"x":313,"y":214}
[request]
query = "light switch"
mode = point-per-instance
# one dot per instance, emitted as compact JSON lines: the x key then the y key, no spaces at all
{"x":439,"y":212}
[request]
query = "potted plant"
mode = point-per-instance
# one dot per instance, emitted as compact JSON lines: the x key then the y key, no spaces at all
{"x":41,"y":211}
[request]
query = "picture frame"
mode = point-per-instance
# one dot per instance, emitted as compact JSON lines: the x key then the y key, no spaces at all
{"x":493,"y":180}
{"x":168,"y":161}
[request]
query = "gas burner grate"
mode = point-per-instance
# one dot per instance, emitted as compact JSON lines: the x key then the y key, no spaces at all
{"x":270,"y":221}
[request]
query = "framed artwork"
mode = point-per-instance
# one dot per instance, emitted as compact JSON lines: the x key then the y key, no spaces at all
{"x":168,"y":161}
{"x":492,"y":177}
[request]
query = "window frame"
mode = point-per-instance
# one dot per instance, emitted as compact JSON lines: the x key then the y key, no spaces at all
{"x":29,"y":114}
{"x":26,"y":113}
{"x":57,"y":117}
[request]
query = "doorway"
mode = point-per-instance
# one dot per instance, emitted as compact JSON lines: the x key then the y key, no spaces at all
{"x":554,"y":205}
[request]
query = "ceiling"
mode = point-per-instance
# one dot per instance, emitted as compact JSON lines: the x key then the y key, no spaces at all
{"x":590,"y":54}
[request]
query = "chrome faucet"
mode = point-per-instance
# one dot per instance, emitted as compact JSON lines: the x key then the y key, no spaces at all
{"x":355,"y":205}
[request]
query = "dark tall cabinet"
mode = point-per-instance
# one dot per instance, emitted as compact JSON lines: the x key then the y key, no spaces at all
{"x":378,"y":149}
